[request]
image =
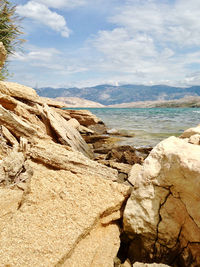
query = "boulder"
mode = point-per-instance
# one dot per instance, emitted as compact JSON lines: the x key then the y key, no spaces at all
{"x":162,"y":216}
{"x":61,"y":219}
{"x":18,"y":91}
{"x":191,"y":131}
{"x":3,"y":55}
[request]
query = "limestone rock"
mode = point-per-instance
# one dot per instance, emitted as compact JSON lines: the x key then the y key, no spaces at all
{"x":97,"y":249}
{"x":18,"y":126}
{"x":124,"y":154}
{"x":194,"y":139}
{"x":68,"y":160}
{"x":8,"y":136}
{"x":163,"y":212}
{"x":3,"y":55}
{"x":133,"y":174}
{"x":140,"y":264}
{"x":58,"y":221}
{"x":191,"y":131}
{"x":84,"y":117}
{"x":66,"y":133}
{"x":19,"y":91}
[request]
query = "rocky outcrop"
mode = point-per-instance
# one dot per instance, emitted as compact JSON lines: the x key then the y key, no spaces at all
{"x":3,"y":55}
{"x":162,"y":216}
{"x":58,"y":207}
{"x":191,"y":131}
{"x":18,"y":91}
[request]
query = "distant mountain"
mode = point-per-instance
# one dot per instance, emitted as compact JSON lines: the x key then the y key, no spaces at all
{"x":186,"y":102}
{"x":79,"y":102}
{"x":111,"y":95}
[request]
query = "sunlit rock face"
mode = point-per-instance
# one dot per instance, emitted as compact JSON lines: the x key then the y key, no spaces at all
{"x":162,"y":216}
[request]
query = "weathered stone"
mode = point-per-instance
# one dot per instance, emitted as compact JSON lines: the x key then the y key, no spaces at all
{"x":194,"y":139}
{"x":133,"y":174}
{"x":14,"y":169}
{"x":67,"y":134}
{"x":65,"y":159}
{"x":3,"y":55}
{"x":98,"y":128}
{"x":84,"y":117}
{"x":191,"y":131}
{"x":105,"y":244}
{"x":57,"y":222}
{"x":19,"y":91}
{"x":124,"y":154}
{"x":8,"y":136}
{"x":140,"y":264}
{"x":163,"y":212}
{"x":17,"y":126}
{"x":121,"y":167}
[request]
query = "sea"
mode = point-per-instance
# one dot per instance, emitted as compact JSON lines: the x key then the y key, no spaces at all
{"x":147,"y":126}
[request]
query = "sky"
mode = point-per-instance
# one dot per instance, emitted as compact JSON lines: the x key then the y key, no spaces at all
{"x":88,"y":42}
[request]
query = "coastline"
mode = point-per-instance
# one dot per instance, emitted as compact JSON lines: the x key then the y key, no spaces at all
{"x":71,"y":195}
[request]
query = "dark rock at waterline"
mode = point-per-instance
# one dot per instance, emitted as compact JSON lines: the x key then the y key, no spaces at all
{"x":124,"y":154}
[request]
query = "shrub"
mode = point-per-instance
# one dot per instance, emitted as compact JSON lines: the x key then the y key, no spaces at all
{"x":10,"y":31}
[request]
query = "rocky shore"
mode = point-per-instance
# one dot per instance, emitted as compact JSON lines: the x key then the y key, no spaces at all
{"x":70,"y":196}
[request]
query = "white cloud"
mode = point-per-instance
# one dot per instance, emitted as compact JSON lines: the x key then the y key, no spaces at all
{"x":42,"y":14}
{"x":62,"y":3}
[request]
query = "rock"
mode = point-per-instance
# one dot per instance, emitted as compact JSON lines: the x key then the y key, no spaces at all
{"x":121,"y":167}
{"x":14,"y":168}
{"x":124,"y":154}
{"x":194,"y":139}
{"x":74,"y":123}
{"x":51,"y":102}
{"x":17,"y":126}
{"x":8,"y":102}
{"x":133,"y":174}
{"x":65,"y":159}
{"x":84,"y":117}
{"x":8,"y":136}
{"x":163,"y":212}
{"x":96,"y":138}
{"x":66,"y":133}
{"x":18,"y":91}
{"x":58,"y":220}
{"x":126,"y":264}
{"x":105,"y":244}
{"x":191,"y":131}
{"x":98,"y":128}
{"x":140,"y":264}
{"x":3,"y":55}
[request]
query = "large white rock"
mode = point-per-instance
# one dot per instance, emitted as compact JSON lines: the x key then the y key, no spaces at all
{"x":163,"y":212}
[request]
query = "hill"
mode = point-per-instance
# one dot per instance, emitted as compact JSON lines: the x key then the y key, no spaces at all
{"x":111,"y":95}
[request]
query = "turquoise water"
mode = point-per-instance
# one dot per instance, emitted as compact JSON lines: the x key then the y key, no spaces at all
{"x":149,"y":125}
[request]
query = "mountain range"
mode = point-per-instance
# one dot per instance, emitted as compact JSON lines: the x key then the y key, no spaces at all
{"x":111,"y":95}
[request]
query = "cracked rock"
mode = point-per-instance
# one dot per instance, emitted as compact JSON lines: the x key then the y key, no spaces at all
{"x":162,"y":216}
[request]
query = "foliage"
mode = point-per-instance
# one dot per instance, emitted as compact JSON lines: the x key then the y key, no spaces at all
{"x":9,"y":31}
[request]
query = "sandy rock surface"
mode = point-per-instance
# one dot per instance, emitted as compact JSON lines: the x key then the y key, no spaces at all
{"x":58,"y":207}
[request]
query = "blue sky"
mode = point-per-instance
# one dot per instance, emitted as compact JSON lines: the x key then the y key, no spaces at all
{"x":88,"y":42}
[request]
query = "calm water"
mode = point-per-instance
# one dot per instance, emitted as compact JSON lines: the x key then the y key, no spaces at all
{"x":149,"y":125}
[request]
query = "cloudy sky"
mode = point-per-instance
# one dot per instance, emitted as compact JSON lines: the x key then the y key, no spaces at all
{"x":89,"y":42}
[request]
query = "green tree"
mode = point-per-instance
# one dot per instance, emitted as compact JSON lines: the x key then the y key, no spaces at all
{"x":10,"y":31}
